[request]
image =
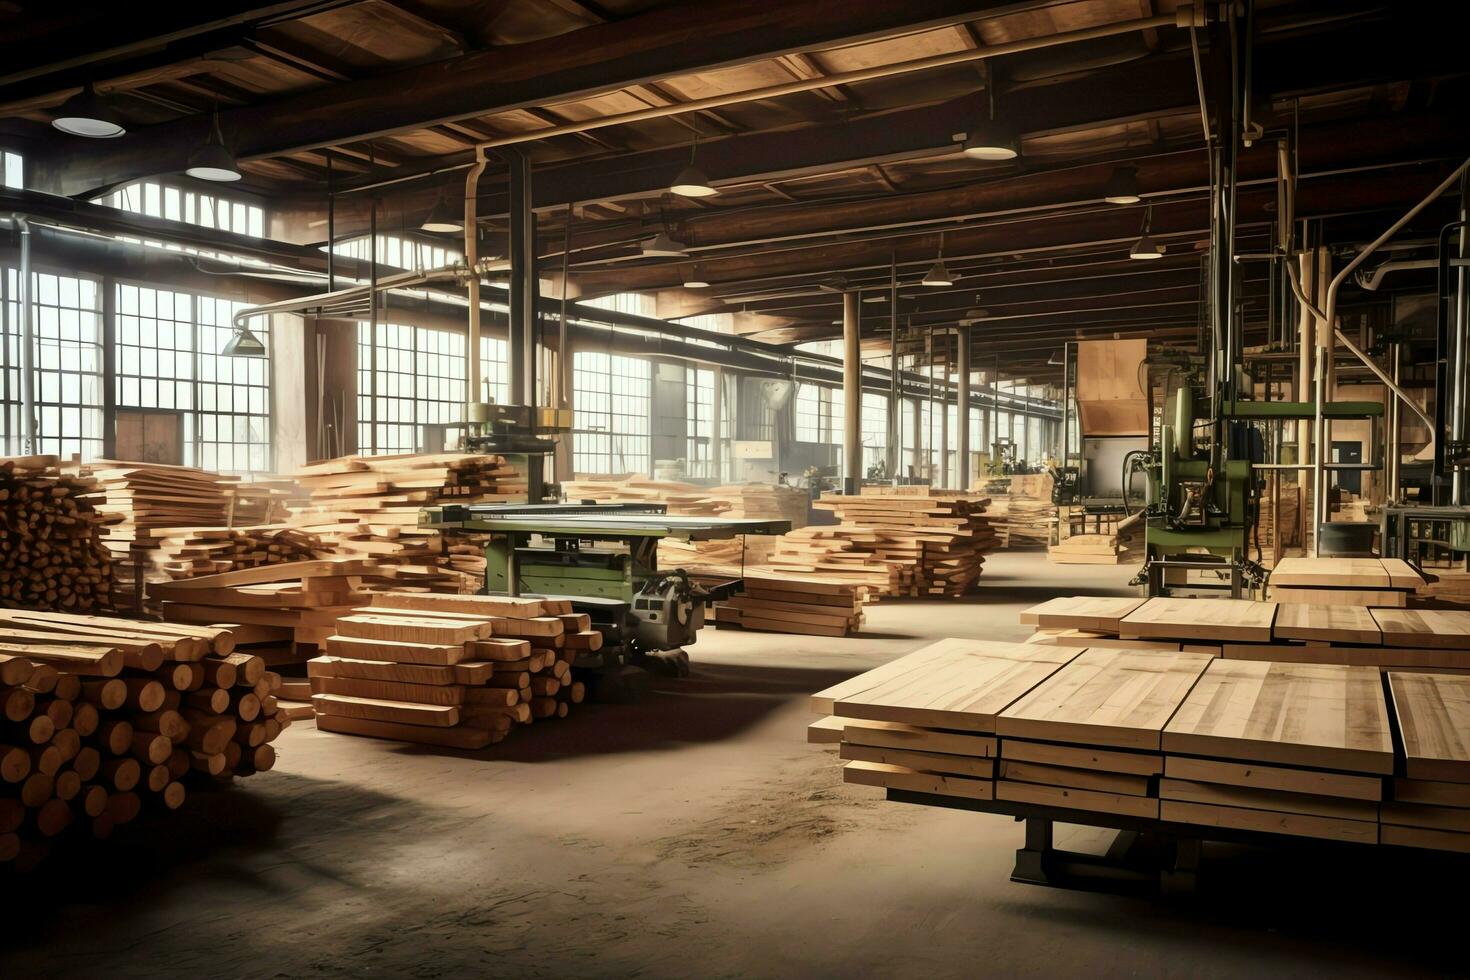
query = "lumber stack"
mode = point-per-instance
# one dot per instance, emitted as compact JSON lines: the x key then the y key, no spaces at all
{"x":457,"y":671}
{"x":51,"y":550}
{"x":1389,"y":582}
{"x":190,"y":551}
{"x":1431,"y":800}
{"x":683,"y":499}
{"x":763,"y":502}
{"x":101,"y":716}
{"x":806,"y":606}
{"x":1088,"y":539}
{"x":140,"y":499}
{"x":943,"y":536}
{"x":277,"y":606}
{"x":368,"y":507}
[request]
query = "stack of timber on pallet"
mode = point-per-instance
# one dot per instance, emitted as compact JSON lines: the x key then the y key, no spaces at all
{"x":1102,"y":540}
{"x":100,"y":715}
{"x":1386,"y":582}
{"x":368,"y":506}
{"x":843,"y":552}
{"x":1023,"y":516}
{"x":684,"y":499}
{"x":944,"y":536}
{"x":455,"y":671}
{"x":804,"y":605}
{"x":51,"y":551}
{"x":1431,"y":800}
{"x":763,"y":502}
{"x":187,"y":552}
{"x":142,"y":499}
{"x":276,"y":605}
{"x":1296,"y":749}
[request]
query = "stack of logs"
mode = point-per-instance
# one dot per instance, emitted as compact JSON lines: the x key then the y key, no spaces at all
{"x":101,"y":716}
{"x":449,"y":670}
{"x":51,"y":551}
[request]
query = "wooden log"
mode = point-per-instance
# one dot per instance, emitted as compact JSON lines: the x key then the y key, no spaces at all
{"x":109,"y":694}
{"x":86,"y":763}
{"x":150,"y":747}
{"x":37,"y":788}
{"x":124,"y":807}
{"x":214,"y":700}
{"x":209,"y":734}
{"x":17,"y":703}
{"x":15,"y":669}
{"x":68,"y":687}
{"x":60,"y":712}
{"x":93,"y":800}
{"x":15,"y":762}
{"x":121,"y":774}
{"x":68,"y":785}
{"x":53,"y":817}
{"x":42,"y":758}
{"x":248,"y":668}
{"x":247,"y":706}
{"x":173,"y":795}
{"x":144,"y":693}
{"x":219,"y":672}
{"x":115,"y":735}
{"x":206,"y":762}
{"x":85,"y":719}
{"x":178,"y":763}
{"x":503,"y":696}
{"x":156,"y":778}
{"x":68,"y":743}
{"x":38,"y":730}
{"x":168,"y":723}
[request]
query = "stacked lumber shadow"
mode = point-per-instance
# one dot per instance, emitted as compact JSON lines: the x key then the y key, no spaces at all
{"x":101,"y":717}
{"x":51,"y":550}
{"x":449,"y":670}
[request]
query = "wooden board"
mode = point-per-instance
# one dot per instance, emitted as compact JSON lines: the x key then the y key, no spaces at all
{"x":1101,"y":613}
{"x":1107,"y":782}
{"x":958,"y":765}
{"x":1437,"y":840}
{"x":1402,"y":814}
{"x":825,"y":731}
{"x":1338,"y":597}
{"x":1316,"y":715}
{"x":1077,"y":757}
{"x":1401,"y":574}
{"x":1266,"y":821}
{"x":1433,"y":712}
{"x":360,"y":648}
{"x":961,"y":686}
{"x":1267,"y":799}
{"x":1439,"y":629}
{"x":1077,"y":799}
{"x":1380,"y":657}
{"x":1235,"y":620}
{"x":1431,"y":793}
{"x":1332,"y":624}
{"x":1113,"y":698}
{"x":1337,"y":573}
{"x":890,"y":735}
{"x":1281,"y":779}
{"x":381,"y":670}
{"x":373,"y":709}
{"x":896,"y":777}
{"x":442,"y":694}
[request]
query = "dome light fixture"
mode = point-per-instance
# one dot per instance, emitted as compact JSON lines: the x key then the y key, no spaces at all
{"x":693,"y":280}
{"x":989,"y":139}
{"x":88,"y":114}
{"x":441,"y":218}
{"x":1146,"y":247}
{"x":661,"y":245}
{"x":1122,"y":187}
{"x":213,"y":161}
{"x":691,"y":181}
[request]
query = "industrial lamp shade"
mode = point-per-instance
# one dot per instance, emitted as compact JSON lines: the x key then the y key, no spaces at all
{"x":1122,"y":187}
{"x":243,"y":343}
{"x":88,"y":114}
{"x":989,"y":140}
{"x":213,"y":162}
{"x":662,"y":244}
{"x":441,"y":218}
{"x":937,"y":276}
{"x":1146,"y":248}
{"x":693,"y":280}
{"x":691,"y":182}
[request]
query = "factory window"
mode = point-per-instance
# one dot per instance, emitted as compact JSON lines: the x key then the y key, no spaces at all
{"x":67,"y":313}
{"x":819,"y":418}
{"x":12,"y":169}
{"x":168,"y":358}
{"x":875,"y":429}
{"x":611,"y":405}
{"x":494,"y":375}
{"x":407,"y":377}
{"x":699,"y":406}
{"x":400,"y":253}
{"x":158,"y":201}
{"x":637,"y":304}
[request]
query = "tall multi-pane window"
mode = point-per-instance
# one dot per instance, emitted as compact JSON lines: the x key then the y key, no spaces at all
{"x":407,"y":377}
{"x":611,"y":404}
{"x":637,"y":304}
{"x":494,"y":375}
{"x":400,"y":253}
{"x":875,"y":429}
{"x":699,"y":411}
{"x":819,"y":418}
{"x":67,"y":313}
{"x":192,"y":207}
{"x":168,"y":356}
{"x":12,"y":169}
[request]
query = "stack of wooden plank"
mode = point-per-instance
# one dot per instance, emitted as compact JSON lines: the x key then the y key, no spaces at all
{"x":368,"y":506}
{"x":806,"y":606}
{"x":1431,"y":800}
{"x":1024,"y":515}
{"x":144,"y":498}
{"x":190,"y":551}
{"x":51,"y":550}
{"x":281,"y":605}
{"x":1387,"y":582}
{"x":449,"y":670}
{"x":100,"y":715}
{"x":684,"y":499}
{"x":944,"y":536}
{"x":1296,"y":749}
{"x":1089,"y":540}
{"x":845,"y":552}
{"x":763,"y":502}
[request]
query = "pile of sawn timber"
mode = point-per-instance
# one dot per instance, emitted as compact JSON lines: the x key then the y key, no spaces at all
{"x":1188,"y":739}
{"x":450,"y":670}
{"x":944,"y":537}
{"x":51,"y":550}
{"x":100,"y":716}
{"x":805,"y":606}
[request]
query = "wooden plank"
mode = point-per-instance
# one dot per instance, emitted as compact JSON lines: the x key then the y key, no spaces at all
{"x":1077,"y":757}
{"x":896,"y":777}
{"x":1402,"y":814}
{"x":1433,"y":628}
{"x":358,"y":648}
{"x":963,"y":687}
{"x":1332,"y":624}
{"x":1338,"y":597}
{"x":1401,"y":574}
{"x":375,"y":709}
{"x":441,"y":694}
{"x":376,"y":670}
{"x":507,"y":606}
{"x":1433,"y":712}
{"x":1255,"y":776}
{"x":398,"y":629}
{"x":825,"y":731}
{"x":1431,"y":792}
{"x":1379,"y":657}
{"x":1275,"y":801}
{"x":1315,"y":715}
{"x":1337,"y":573}
{"x":1236,"y":620}
{"x":1435,"y":840}
{"x":460,"y":737}
{"x":1077,"y":799}
{"x":1102,"y":613}
{"x":1266,"y":821}
{"x":1113,"y":698}
{"x":1106,"y":782}
{"x":890,"y":735}
{"x":958,"y":765}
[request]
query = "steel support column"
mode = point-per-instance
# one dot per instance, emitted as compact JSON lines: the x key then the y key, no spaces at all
{"x":852,"y":394}
{"x":962,"y":412}
{"x":520,"y":351}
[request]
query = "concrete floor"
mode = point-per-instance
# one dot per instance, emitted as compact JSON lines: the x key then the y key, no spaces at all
{"x":693,"y":834}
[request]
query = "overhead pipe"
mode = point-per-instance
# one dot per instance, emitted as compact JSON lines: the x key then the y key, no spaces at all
{"x":472,"y":262}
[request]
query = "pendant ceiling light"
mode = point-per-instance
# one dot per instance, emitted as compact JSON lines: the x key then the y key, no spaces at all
{"x":441,"y":217}
{"x":938,"y":276}
{"x":691,"y":181}
{"x":1122,"y":187}
{"x":1146,"y":247}
{"x":987,"y":138}
{"x":693,"y":280}
{"x":213,"y":161}
{"x":662,"y":245}
{"x":88,"y":114}
{"x":243,"y":343}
